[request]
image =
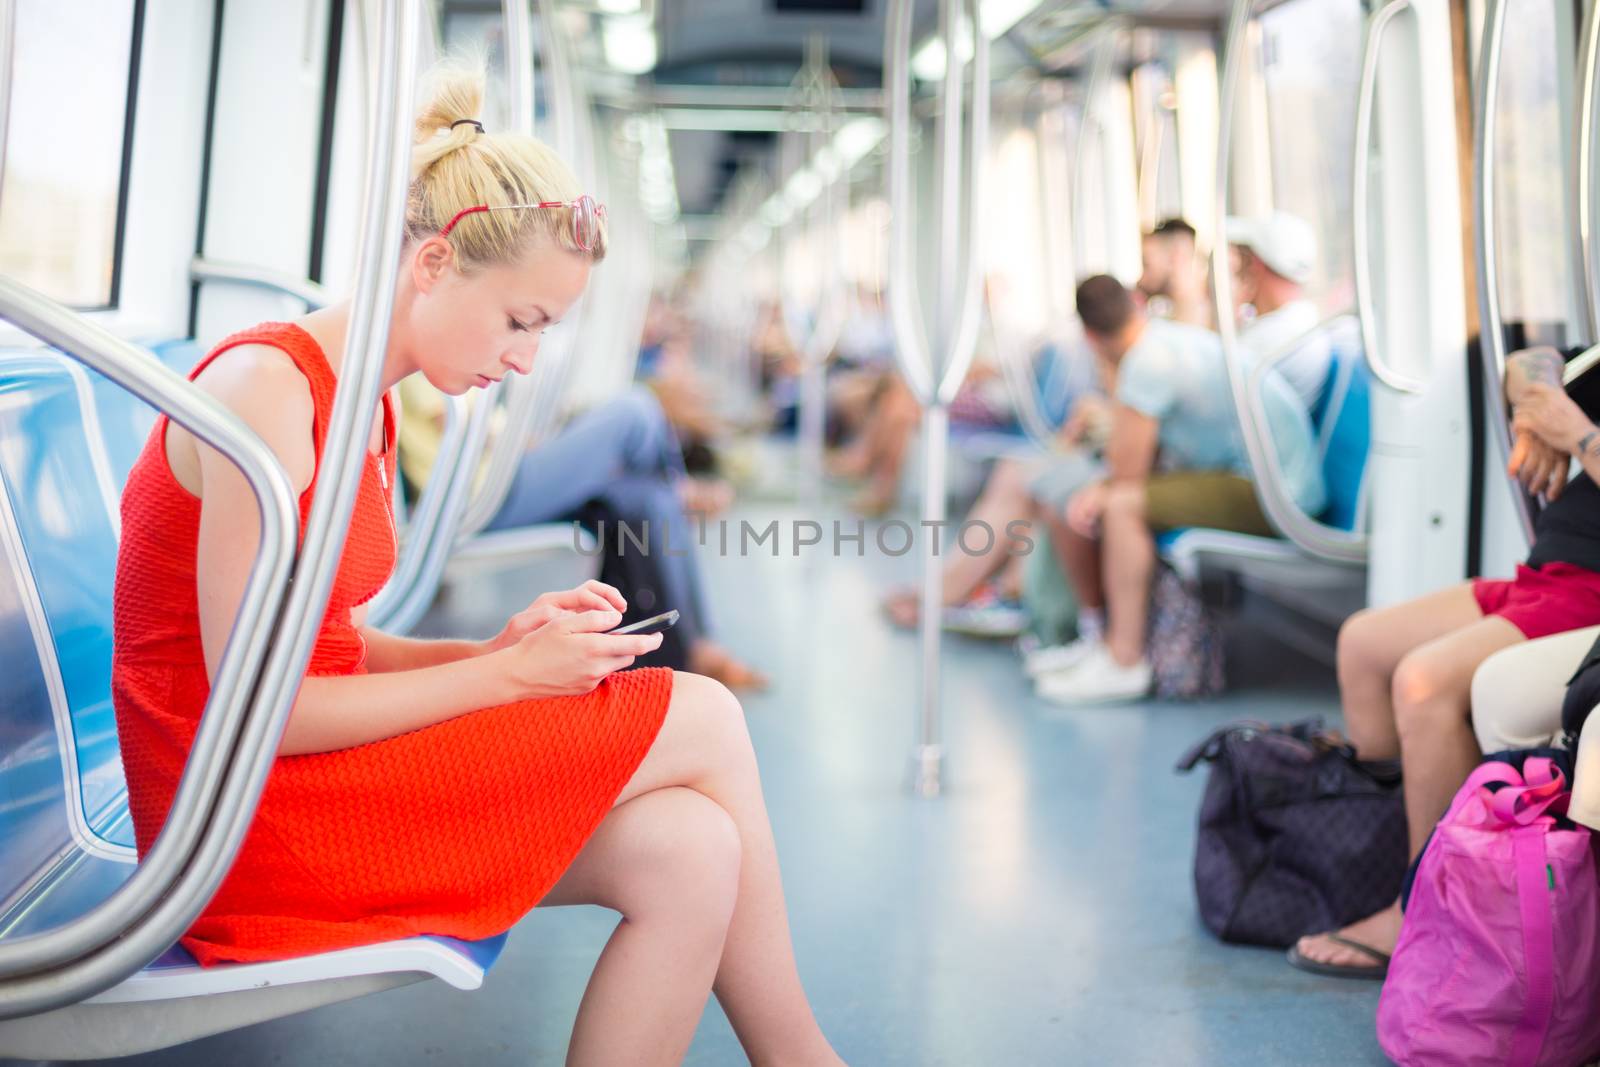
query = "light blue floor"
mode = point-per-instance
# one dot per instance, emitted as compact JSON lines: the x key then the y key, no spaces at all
{"x":1039,"y":913}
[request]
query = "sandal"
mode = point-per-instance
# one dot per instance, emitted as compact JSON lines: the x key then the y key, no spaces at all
{"x":1378,"y":970}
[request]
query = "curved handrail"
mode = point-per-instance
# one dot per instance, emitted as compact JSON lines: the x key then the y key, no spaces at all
{"x":532,"y":403}
{"x":962,"y":338}
{"x":911,"y":351}
{"x":312,"y":294}
{"x":244,"y":776}
{"x":1307,"y":533}
{"x":233,"y":694}
{"x":1099,"y":74}
{"x":1279,"y":510}
{"x":1366,"y":97}
{"x":449,"y":471}
{"x":1586,"y":196}
{"x":1491,"y":335}
{"x":433,"y":529}
{"x":8,"y":58}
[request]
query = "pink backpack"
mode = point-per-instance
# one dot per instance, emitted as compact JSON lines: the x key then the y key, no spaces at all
{"x":1499,"y":956}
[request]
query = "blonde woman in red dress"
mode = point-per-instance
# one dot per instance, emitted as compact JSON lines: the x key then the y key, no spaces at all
{"x":447,"y":787}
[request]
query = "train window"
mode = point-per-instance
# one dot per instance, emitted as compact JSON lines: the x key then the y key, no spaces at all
{"x":1534,"y":270}
{"x":1310,"y":65}
{"x":61,"y":197}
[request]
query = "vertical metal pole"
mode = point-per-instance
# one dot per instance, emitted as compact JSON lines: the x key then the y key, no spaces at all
{"x":8,"y":57}
{"x":1584,"y":195}
{"x":935,"y":381}
{"x":1491,"y":334}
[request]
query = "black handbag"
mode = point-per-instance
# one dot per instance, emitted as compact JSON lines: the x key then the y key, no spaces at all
{"x":1296,"y":835}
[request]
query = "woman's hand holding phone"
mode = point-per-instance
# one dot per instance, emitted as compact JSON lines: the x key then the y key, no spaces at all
{"x":570,"y":654}
{"x":590,"y":596}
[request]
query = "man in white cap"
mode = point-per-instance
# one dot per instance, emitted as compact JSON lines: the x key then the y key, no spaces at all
{"x":1273,"y":258}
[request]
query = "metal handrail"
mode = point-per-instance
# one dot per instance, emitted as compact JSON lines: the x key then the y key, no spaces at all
{"x":1099,"y":74}
{"x":312,"y":294}
{"x":1366,"y":97}
{"x":223,"y":828}
{"x":433,"y":530}
{"x":1284,"y":515}
{"x":1585,"y":194}
{"x":233,"y":698}
{"x":1311,"y":536}
{"x":8,"y":59}
{"x":532,"y":403}
{"x":1491,"y":335}
{"x":958,"y":309}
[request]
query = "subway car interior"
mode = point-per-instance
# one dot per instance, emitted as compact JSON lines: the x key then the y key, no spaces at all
{"x":1100,"y":484}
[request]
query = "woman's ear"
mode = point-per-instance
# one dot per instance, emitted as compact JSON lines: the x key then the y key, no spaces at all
{"x":430,"y":262}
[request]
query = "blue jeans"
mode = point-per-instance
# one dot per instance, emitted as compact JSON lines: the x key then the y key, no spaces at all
{"x":622,"y":452}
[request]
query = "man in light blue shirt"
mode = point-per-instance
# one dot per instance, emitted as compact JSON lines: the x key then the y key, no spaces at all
{"x":1176,"y":458}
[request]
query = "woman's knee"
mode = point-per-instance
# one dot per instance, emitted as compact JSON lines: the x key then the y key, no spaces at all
{"x":683,"y":860}
{"x":1360,"y":642}
{"x":709,"y":719}
{"x":1428,"y":694}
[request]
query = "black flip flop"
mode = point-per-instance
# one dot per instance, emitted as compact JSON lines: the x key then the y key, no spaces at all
{"x":1342,"y":970}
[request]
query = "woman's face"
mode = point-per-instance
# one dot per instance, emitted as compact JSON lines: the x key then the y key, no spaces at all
{"x":474,"y":329}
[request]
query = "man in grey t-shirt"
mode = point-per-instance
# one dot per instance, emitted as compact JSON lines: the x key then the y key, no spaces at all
{"x":1176,"y":458}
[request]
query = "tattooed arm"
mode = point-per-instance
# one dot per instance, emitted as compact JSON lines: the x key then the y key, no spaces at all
{"x":1541,"y":365}
{"x":1549,"y":427}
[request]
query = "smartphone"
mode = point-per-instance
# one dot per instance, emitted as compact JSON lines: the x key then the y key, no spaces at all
{"x":653,"y":625}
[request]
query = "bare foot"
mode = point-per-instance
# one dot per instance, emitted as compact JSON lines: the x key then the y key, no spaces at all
{"x":902,"y":608}
{"x":1380,"y":932}
{"x":849,"y":463}
{"x":714,"y":661}
{"x":873,"y":503}
{"x":705,"y":496}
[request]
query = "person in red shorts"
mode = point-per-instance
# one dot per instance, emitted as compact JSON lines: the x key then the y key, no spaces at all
{"x":1405,"y":671}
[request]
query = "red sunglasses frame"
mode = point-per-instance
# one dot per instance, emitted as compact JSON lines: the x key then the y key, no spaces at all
{"x":596,"y":210}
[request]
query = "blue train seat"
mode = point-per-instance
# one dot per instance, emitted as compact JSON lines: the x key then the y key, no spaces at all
{"x":66,"y":840}
{"x":1342,"y":420}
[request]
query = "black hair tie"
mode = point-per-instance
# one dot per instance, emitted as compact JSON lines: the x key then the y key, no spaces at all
{"x":467,"y":122}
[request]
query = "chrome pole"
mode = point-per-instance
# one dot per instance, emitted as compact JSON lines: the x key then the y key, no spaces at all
{"x":1491,"y":333}
{"x":1584,"y":195}
{"x":957,"y":284}
{"x":431,"y":534}
{"x":8,"y":59}
{"x":532,"y":403}
{"x":1360,"y":241}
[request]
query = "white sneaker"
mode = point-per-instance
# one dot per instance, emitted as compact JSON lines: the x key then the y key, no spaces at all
{"x":1096,"y":679}
{"x":1056,"y":658}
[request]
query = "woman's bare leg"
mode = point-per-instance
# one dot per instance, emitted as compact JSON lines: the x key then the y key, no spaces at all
{"x":1424,"y":714}
{"x":1004,"y":500}
{"x":704,"y":746}
{"x":1371,"y":645}
{"x":668,"y":860}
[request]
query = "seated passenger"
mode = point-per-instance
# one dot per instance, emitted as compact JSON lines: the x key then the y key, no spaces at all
{"x":1175,"y":458}
{"x":1173,"y":281}
{"x":623,"y":453}
{"x":1406,"y":671}
{"x":1008,"y":493}
{"x":1272,"y":259}
{"x":447,"y":787}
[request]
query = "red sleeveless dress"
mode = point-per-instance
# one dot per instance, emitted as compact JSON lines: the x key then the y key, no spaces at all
{"x":458,"y":829}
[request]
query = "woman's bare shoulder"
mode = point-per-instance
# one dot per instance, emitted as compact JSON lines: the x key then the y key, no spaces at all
{"x":263,"y":386}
